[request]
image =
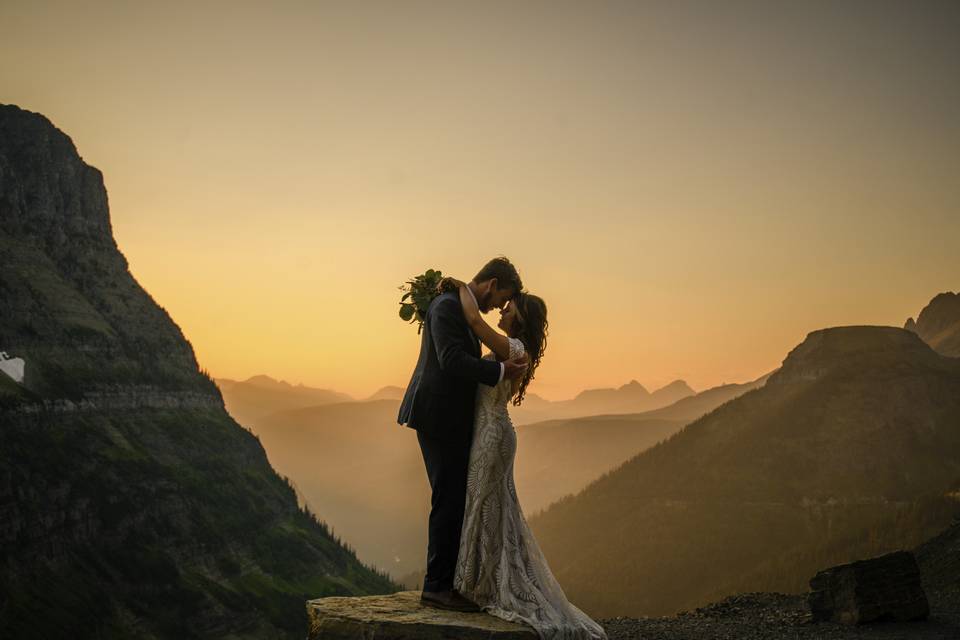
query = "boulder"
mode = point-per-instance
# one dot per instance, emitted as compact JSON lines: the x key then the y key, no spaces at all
{"x":887,"y":587}
{"x":401,"y":615}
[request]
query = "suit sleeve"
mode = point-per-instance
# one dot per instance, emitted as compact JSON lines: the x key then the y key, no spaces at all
{"x":448,"y":330}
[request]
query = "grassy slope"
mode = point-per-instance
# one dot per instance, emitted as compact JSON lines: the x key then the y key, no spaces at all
{"x":174,"y":516}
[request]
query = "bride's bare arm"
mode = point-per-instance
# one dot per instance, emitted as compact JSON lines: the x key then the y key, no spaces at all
{"x":490,"y":337}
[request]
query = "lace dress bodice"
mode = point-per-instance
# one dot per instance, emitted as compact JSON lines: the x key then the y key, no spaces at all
{"x":500,"y":566}
{"x":494,"y":399}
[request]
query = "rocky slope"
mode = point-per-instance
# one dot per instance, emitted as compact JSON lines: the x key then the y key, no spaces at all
{"x":860,"y":426}
{"x":131,"y":504}
{"x":777,"y":616}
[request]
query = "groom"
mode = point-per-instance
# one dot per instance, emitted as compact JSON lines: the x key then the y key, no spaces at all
{"x":439,"y":404}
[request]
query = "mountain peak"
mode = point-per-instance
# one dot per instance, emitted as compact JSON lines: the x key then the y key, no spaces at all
{"x":51,"y":193}
{"x":676,"y":385}
{"x":939,"y":323}
{"x":634,"y":387}
{"x":81,"y":323}
{"x":835,"y":348}
{"x":263,"y":380}
{"x":389,"y":392}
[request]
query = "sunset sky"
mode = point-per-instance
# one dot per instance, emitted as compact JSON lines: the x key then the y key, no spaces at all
{"x":691,"y":187}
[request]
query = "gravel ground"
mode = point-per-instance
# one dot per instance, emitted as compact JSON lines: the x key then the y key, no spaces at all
{"x":773,"y":616}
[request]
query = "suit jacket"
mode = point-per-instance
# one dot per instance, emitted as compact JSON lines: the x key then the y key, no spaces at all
{"x":440,"y":398}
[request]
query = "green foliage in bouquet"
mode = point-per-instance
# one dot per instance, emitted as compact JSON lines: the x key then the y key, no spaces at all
{"x":418,"y":294}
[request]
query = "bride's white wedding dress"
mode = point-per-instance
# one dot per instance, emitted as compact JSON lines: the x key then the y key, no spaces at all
{"x":500,"y":566}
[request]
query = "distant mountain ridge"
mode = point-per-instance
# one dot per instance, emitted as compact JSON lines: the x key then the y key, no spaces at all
{"x":251,"y":399}
{"x":353,"y":462}
{"x":629,"y":398}
{"x":256,"y":397}
{"x":133,"y":505}
{"x":692,"y":407}
{"x":387,"y":393}
{"x":858,"y":426}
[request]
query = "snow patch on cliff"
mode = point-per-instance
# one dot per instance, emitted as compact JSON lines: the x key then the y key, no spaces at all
{"x":13,"y":367}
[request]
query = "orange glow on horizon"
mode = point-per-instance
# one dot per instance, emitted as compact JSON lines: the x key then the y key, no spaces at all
{"x":690,"y":194}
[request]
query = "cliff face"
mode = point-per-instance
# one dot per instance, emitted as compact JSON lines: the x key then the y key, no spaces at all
{"x":71,"y":308}
{"x":131,"y":504}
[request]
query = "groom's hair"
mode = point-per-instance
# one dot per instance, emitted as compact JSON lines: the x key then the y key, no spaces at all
{"x":505,"y":273}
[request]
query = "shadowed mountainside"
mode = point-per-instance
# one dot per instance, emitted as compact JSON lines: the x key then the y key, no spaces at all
{"x":859,"y":425}
{"x":131,"y":504}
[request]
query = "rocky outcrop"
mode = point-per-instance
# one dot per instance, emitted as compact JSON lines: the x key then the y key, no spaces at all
{"x":770,"y":616}
{"x":939,"y":560}
{"x":886,"y":587}
{"x":939,"y":324}
{"x":401,"y":616}
{"x":841,"y":350}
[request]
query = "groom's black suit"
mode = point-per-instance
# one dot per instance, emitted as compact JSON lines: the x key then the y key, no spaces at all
{"x":439,"y":404}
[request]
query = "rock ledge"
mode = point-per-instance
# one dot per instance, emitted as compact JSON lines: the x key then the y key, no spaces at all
{"x":401,"y":615}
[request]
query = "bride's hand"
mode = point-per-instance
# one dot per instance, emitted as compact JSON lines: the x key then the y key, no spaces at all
{"x":449,"y":283}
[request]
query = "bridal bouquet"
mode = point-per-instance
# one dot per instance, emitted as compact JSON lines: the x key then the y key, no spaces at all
{"x":418,"y":294}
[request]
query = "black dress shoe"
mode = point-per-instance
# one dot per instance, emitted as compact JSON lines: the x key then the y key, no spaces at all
{"x":468,"y":601}
{"x":449,"y":600}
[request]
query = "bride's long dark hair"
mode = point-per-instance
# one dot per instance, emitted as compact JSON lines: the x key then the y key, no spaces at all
{"x":532,"y":332}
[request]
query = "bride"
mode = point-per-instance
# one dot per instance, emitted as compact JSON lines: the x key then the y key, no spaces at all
{"x":499,"y":565}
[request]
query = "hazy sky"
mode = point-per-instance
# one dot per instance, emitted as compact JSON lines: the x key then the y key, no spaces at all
{"x":692,"y":187}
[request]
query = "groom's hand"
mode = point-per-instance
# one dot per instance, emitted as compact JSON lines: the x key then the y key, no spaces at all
{"x":515,"y":368}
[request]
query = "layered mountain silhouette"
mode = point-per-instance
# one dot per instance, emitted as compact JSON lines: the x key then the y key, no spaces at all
{"x":387,"y":393}
{"x":260,"y":395}
{"x":860,"y":427}
{"x":364,"y":472}
{"x":132,"y":504}
{"x":254,"y":398}
{"x":560,"y":457}
{"x":632,"y":397}
{"x":939,"y":324}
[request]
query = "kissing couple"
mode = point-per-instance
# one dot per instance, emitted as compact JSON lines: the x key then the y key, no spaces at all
{"x":481,"y":555}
